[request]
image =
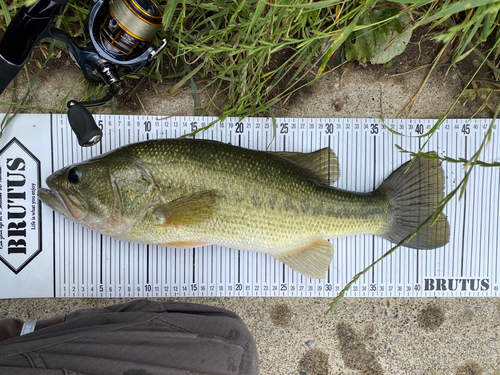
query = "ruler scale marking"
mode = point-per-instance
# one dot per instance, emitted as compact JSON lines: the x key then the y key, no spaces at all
{"x":87,"y":264}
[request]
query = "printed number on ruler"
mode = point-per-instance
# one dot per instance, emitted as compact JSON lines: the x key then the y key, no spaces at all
{"x":100,"y":267}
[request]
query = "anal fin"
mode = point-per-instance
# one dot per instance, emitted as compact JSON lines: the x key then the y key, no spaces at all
{"x":311,"y":261}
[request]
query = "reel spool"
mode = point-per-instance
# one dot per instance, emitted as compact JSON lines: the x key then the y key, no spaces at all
{"x":131,"y":25}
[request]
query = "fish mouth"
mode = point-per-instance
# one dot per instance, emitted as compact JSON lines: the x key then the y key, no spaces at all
{"x":66,"y":204}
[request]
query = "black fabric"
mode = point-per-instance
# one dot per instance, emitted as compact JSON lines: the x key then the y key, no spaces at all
{"x":141,"y":337}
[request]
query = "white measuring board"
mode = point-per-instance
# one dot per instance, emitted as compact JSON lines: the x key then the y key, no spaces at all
{"x":63,"y":259}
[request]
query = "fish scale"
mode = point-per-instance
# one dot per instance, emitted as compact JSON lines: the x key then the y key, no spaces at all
{"x":189,"y":193}
{"x":277,"y":225}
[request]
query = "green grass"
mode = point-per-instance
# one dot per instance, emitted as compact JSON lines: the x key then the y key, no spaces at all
{"x":237,"y":40}
{"x":253,"y":54}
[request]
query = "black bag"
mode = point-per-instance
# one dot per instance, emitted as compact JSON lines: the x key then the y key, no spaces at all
{"x":141,"y":337}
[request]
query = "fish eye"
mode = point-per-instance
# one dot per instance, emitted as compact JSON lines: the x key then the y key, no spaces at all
{"x":74,"y":175}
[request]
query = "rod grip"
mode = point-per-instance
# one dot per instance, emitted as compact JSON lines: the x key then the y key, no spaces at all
{"x":8,"y":72}
{"x":83,"y":125}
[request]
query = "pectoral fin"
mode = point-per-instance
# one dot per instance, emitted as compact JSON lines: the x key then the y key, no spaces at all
{"x":311,"y":261}
{"x":188,"y":210}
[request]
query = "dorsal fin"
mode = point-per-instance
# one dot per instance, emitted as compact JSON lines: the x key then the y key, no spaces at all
{"x":311,"y":261}
{"x":323,"y":163}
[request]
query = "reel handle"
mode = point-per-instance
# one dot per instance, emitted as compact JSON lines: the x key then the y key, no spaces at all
{"x":83,"y":124}
{"x":80,"y":119}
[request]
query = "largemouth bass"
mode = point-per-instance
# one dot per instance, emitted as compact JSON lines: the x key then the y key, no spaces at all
{"x":189,"y":193}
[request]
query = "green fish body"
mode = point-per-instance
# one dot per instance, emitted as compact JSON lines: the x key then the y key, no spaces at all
{"x":188,"y":193}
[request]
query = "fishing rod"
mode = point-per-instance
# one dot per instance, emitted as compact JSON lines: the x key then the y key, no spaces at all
{"x":120,"y":31}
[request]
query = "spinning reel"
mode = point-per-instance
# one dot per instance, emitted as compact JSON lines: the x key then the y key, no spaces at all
{"x":120,"y":33}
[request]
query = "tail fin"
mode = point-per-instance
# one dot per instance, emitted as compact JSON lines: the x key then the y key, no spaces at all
{"x":414,"y":195}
